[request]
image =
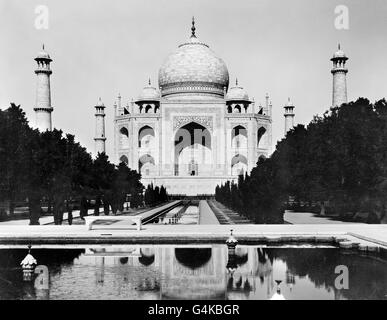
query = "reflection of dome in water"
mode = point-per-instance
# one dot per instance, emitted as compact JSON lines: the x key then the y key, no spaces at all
{"x":147,"y":256}
{"x":241,"y":256}
{"x":124,"y":260}
{"x":146,"y":260}
{"x":241,"y":259}
{"x":193,"y":258}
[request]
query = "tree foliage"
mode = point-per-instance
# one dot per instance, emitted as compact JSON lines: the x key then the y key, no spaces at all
{"x":340,"y":158}
{"x":155,"y":195}
{"x":51,"y":169}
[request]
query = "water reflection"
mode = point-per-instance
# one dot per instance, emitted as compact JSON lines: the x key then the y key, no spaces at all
{"x":205,"y":272}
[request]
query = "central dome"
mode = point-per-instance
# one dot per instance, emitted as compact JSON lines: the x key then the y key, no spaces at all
{"x":193,"y":68}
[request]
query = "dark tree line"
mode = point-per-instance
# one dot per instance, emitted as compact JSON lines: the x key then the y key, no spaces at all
{"x":338,"y":162}
{"x":155,"y":195}
{"x":51,"y":169}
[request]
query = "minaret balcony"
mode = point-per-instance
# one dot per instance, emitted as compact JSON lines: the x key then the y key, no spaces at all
{"x":47,"y":71}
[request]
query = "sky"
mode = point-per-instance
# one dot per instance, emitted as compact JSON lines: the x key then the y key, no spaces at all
{"x":101,"y":48}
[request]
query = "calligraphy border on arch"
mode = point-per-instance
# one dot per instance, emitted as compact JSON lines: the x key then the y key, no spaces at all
{"x":180,"y":121}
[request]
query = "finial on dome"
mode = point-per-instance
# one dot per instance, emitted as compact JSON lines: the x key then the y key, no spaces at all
{"x":149,"y":81}
{"x":236,"y":81}
{"x":193,"y":28}
{"x":339,"y":46}
{"x":43,"y":46}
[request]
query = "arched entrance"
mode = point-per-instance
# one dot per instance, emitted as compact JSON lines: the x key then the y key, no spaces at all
{"x":239,"y":137}
{"x":146,"y":137}
{"x":261,"y":137}
{"x":193,"y":150}
{"x":124,"y":137}
{"x":238,"y":165}
{"x":146,"y":165}
{"x":124,"y":159}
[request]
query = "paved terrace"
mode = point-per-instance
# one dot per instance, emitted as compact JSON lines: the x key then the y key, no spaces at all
{"x":310,"y":218}
{"x":46,"y":220}
{"x":209,"y":231}
{"x":372,"y":235}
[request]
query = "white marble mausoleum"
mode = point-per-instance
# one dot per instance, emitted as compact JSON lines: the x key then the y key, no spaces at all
{"x":194,"y":130}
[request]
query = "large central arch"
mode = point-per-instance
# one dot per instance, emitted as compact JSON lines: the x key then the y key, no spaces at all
{"x":192,"y":150}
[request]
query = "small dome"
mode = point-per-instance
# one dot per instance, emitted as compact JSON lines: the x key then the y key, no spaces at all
{"x":289,"y":103}
{"x":149,"y":93}
{"x":339,"y":54}
{"x":237,"y":93}
{"x":100,"y":103}
{"x":43,"y":55}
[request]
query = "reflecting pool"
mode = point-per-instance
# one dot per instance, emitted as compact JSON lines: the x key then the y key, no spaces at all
{"x":191,"y":272}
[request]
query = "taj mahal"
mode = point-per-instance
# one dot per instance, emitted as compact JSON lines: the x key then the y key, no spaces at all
{"x":193,"y":131}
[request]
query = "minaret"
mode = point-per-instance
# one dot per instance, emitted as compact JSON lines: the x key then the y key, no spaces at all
{"x":289,"y":116}
{"x":99,"y":127}
{"x":43,"y":107}
{"x":266,"y":110}
{"x":339,"y":71}
{"x":119,"y":106}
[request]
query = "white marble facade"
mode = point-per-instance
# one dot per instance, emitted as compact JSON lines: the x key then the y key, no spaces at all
{"x":193,"y":131}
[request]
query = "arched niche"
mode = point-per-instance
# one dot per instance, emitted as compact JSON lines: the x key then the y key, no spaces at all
{"x":261,"y":137}
{"x":238,"y":165}
{"x":146,"y":137}
{"x":124,"y":137}
{"x":146,"y":165}
{"x":239,"y":137}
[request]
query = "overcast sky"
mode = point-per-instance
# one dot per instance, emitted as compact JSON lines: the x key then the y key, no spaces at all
{"x":102,"y":47}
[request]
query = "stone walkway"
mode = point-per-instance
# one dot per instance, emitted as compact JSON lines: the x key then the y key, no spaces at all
{"x":47,"y":220}
{"x":310,"y":218}
{"x":207,"y":216}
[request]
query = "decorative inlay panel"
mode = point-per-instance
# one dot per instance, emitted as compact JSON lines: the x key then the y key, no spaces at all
{"x":205,"y":121}
{"x":216,"y":111}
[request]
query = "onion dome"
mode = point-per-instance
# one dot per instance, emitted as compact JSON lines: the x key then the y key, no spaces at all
{"x":149,"y":93}
{"x":193,"y":68}
{"x":237,"y":93}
